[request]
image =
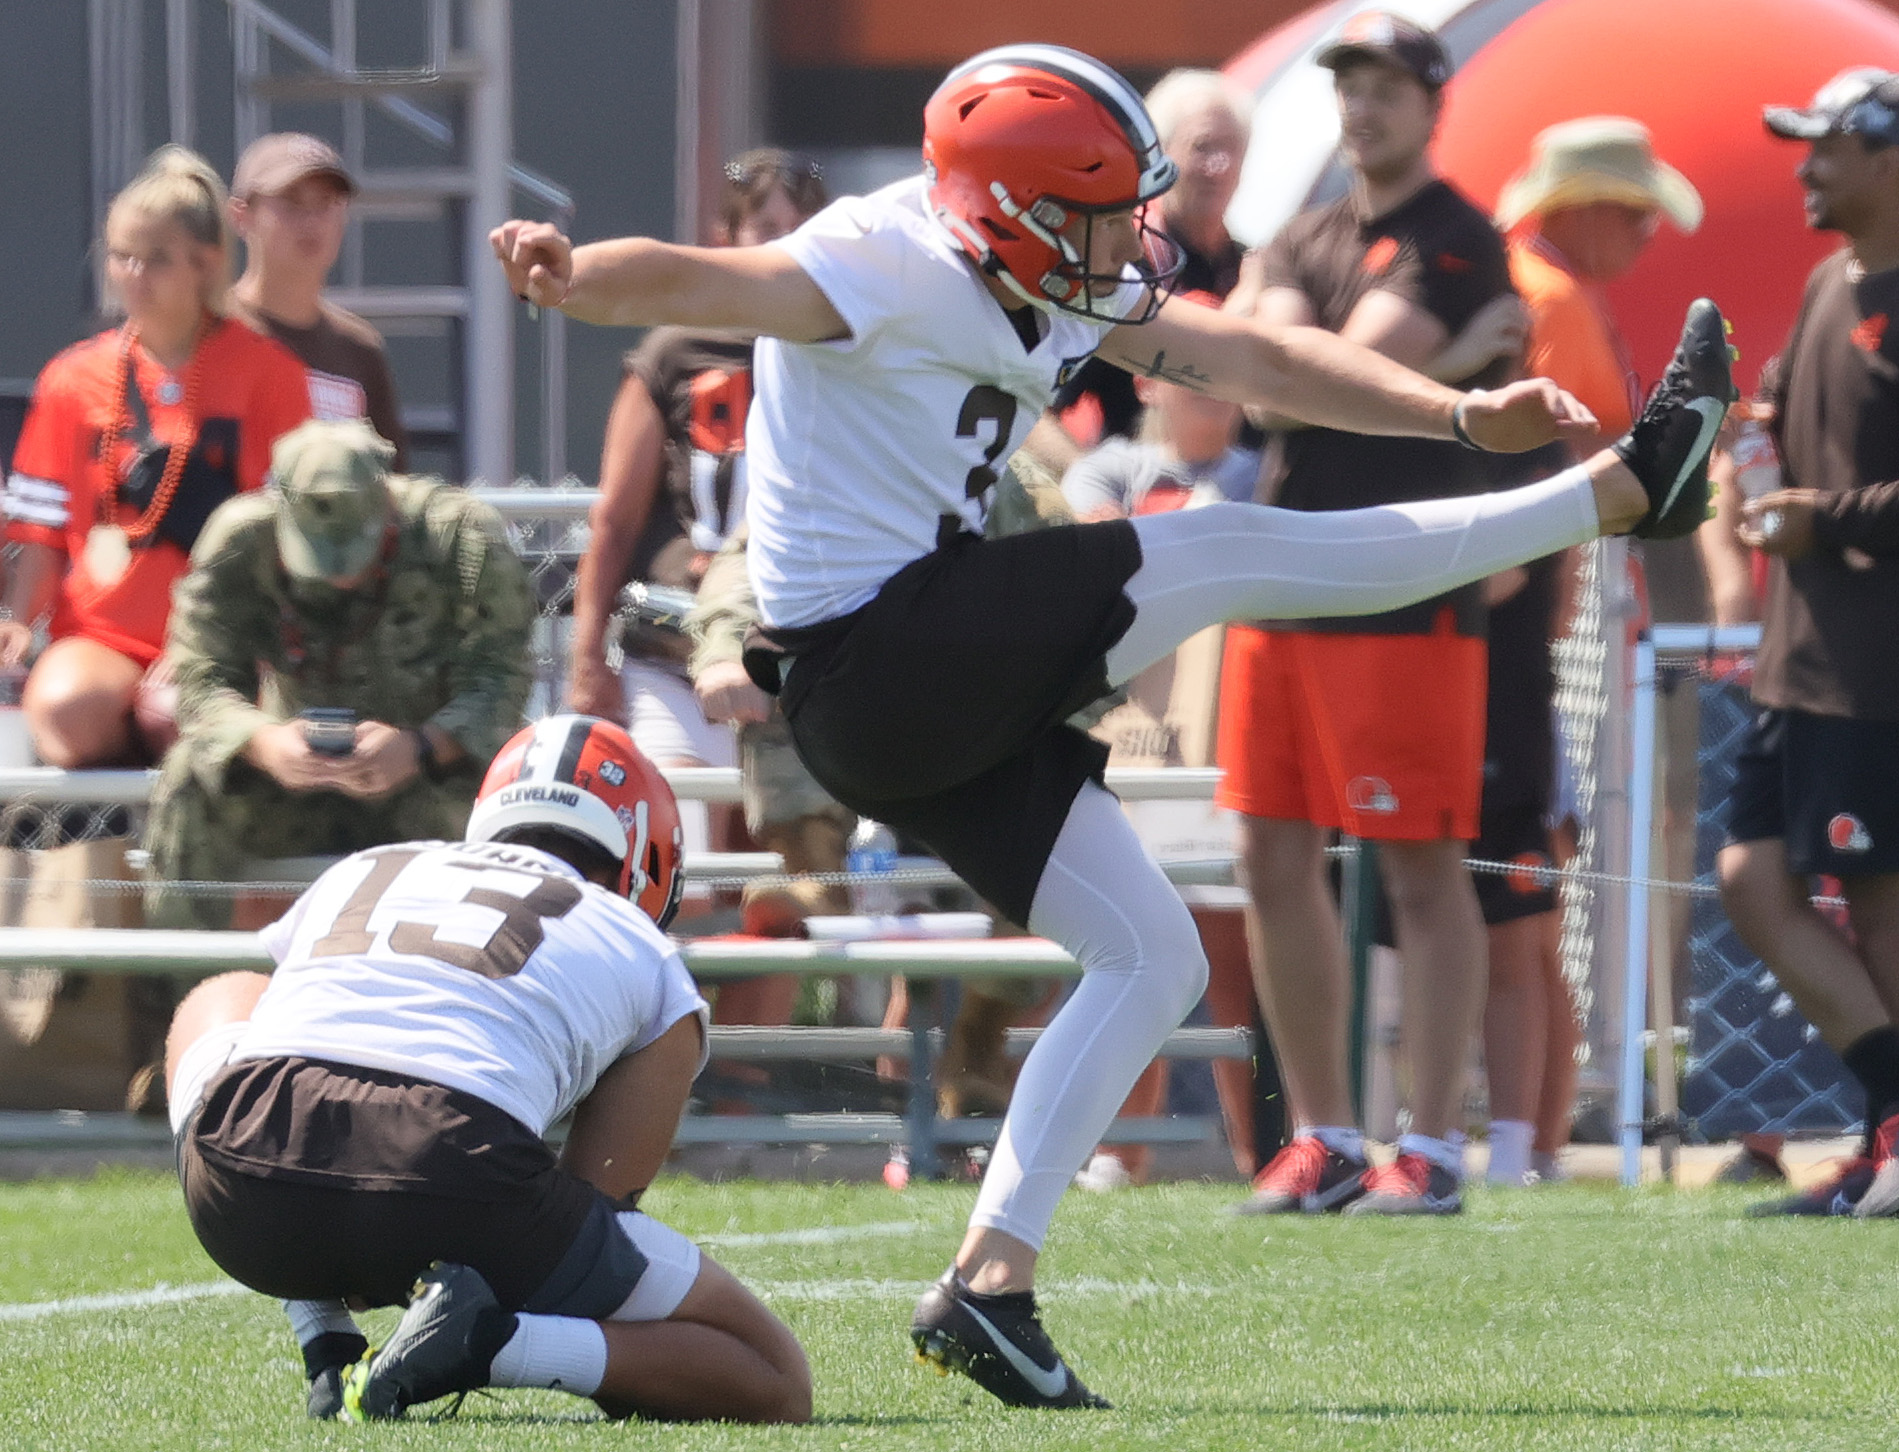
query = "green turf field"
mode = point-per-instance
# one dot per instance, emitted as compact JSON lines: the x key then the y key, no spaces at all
{"x":1570,"y":1317}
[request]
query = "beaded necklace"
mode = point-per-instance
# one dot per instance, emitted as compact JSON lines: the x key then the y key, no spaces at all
{"x":121,"y":427}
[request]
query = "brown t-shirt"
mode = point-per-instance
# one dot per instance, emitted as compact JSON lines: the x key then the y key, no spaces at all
{"x":701,"y":383}
{"x":1439,"y":252}
{"x":349,"y":371}
{"x":1830,"y":643}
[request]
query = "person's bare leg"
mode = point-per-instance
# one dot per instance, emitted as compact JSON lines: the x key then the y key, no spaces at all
{"x":1516,"y":1018}
{"x":1562,"y":1036}
{"x":78,"y":703}
{"x":225,"y":999}
{"x":1300,"y":969}
{"x":1872,"y":906}
{"x":1829,"y":983}
{"x":721,"y":1356}
{"x":1440,"y":933}
{"x":1230,"y":1004}
{"x":624,"y":1128}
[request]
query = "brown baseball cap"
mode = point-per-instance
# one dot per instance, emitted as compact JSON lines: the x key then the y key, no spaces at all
{"x":1380,"y":35}
{"x":277,"y":162}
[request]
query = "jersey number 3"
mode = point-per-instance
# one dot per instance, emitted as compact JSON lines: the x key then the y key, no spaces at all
{"x":504,"y":954}
{"x":986,"y":404}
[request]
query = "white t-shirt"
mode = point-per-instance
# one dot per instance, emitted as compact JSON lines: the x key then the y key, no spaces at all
{"x":1120,"y":474}
{"x":858,"y":447}
{"x":489,"y":968}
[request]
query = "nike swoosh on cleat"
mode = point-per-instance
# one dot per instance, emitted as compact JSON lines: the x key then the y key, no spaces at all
{"x":1841,"y":1205}
{"x":1051,"y":1383}
{"x":1711,"y":412}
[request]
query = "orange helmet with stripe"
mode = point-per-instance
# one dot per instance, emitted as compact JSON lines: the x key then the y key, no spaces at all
{"x":1025,"y":141}
{"x":584,"y":777}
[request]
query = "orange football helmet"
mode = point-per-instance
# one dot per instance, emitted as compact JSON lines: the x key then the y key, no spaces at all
{"x":584,"y":776}
{"x":1022,"y":140}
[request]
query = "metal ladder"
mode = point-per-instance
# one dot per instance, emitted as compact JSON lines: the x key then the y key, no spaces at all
{"x":456,"y":97}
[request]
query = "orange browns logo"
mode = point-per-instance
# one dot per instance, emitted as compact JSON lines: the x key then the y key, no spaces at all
{"x":720,"y":401}
{"x":1846,"y":833}
{"x":1380,"y":255}
{"x":1451,"y":262}
{"x":1529,"y":873}
{"x":1871,"y":333}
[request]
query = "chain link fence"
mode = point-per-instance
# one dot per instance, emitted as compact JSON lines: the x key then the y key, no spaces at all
{"x":1753,"y":1063}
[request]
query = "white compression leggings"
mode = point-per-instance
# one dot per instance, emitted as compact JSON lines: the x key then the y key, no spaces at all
{"x":1200,"y":567}
{"x":1101,"y":896}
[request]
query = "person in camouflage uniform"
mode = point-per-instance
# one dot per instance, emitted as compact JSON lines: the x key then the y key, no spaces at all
{"x":339,"y":586}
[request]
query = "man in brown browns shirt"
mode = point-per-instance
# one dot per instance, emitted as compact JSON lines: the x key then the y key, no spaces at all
{"x":290,"y":198}
{"x":1816,"y":788}
{"x":1372,"y":725}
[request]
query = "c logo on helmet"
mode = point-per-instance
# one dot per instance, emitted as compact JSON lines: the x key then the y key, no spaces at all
{"x":1846,"y":833}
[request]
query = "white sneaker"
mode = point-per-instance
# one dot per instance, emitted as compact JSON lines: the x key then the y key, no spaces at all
{"x":1103,"y":1173}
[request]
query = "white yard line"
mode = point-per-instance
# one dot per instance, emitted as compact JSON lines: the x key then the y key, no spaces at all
{"x":159,"y":1295}
{"x":801,"y":1290}
{"x":818,"y":1235}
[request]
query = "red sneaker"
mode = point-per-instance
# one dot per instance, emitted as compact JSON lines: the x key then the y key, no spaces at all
{"x":1306,"y":1177}
{"x":1410,"y":1185}
{"x":1881,"y":1200}
{"x":1839,"y":1194}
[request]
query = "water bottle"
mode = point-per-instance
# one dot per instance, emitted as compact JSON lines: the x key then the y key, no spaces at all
{"x":1757,"y":468}
{"x":872,"y":859}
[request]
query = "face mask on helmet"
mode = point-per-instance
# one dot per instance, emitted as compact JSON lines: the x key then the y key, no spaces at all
{"x":1030,"y":150}
{"x":583,"y":777}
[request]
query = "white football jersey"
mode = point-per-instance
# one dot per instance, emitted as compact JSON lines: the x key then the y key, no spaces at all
{"x":858,"y":447}
{"x":487,"y":967}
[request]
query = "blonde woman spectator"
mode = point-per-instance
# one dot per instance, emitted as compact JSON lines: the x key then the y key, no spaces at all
{"x":133,"y":437}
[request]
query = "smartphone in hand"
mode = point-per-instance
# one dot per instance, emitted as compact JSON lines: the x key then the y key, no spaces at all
{"x":329,"y":730}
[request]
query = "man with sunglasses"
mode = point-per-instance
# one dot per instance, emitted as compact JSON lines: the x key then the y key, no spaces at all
{"x":1816,"y":787}
{"x":908,"y":341}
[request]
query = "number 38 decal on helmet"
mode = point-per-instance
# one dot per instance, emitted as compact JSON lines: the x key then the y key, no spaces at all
{"x":584,"y":778}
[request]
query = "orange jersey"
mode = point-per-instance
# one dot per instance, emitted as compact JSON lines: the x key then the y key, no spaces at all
{"x":66,"y":477}
{"x":1573,"y":339}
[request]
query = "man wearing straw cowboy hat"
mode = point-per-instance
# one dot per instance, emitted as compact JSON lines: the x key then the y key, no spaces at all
{"x":1579,"y":215}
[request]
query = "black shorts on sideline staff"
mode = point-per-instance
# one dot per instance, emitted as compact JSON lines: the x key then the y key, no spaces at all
{"x":1827,"y":785}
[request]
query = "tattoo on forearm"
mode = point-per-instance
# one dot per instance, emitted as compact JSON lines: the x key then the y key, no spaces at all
{"x":1184,"y":374}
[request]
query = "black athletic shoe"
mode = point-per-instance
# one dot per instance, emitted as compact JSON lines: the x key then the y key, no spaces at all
{"x":444,"y":1343}
{"x":1668,"y":447}
{"x":325,"y":1360}
{"x":1839,"y":1194}
{"x":998,"y":1343}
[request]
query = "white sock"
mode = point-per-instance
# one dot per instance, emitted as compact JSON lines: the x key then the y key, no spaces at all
{"x":1446,"y":1153}
{"x":1510,"y":1141}
{"x":560,"y":1353}
{"x":1341,"y":1139}
{"x":1102,"y":898}
{"x":311,"y":1319}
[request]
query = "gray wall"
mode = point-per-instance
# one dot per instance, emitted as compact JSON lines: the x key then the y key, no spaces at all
{"x":594,"y":111}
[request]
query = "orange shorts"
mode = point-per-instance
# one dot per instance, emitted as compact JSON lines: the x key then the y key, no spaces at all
{"x":1381,"y":736}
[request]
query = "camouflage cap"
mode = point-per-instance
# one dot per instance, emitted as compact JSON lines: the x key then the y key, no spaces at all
{"x":327,"y":483}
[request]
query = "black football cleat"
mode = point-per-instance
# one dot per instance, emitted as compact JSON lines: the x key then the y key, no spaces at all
{"x":444,"y":1344}
{"x":998,"y":1343}
{"x":1668,"y":448}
